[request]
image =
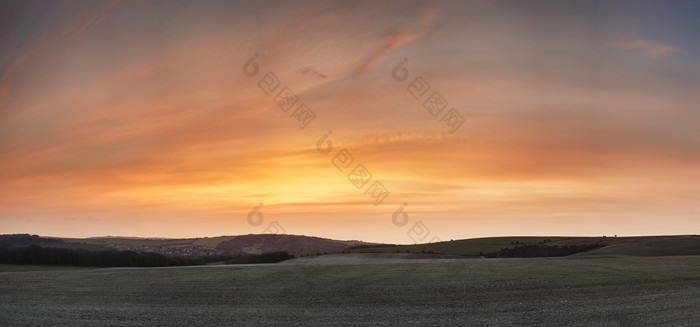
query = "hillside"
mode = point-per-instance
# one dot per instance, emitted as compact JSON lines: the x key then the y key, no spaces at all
{"x":280,"y":242}
{"x":632,"y":246}
{"x":660,"y":246}
{"x":308,"y":245}
{"x":22,"y":240}
{"x":189,"y":247}
{"x":466,"y":247}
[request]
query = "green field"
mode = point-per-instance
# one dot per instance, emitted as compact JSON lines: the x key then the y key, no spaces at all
{"x":619,"y":291}
{"x":469,"y":247}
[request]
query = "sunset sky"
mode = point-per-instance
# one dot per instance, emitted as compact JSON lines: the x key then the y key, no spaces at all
{"x":138,"y":118}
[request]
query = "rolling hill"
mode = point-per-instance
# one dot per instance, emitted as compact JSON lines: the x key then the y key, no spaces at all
{"x":309,"y":246}
{"x":662,"y":246}
{"x":466,"y":247}
{"x":188,"y":247}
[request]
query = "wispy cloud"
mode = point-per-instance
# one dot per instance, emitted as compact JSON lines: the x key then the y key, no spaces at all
{"x":652,"y":49}
{"x":311,"y":71}
{"x":44,"y":30}
{"x":404,"y":35}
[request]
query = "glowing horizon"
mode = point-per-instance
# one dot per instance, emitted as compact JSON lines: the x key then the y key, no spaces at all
{"x":140,"y":119}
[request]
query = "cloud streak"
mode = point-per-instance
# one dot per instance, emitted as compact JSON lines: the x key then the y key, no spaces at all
{"x":402,"y":36}
{"x":650,"y":48}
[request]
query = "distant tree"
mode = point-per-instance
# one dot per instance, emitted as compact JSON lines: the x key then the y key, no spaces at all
{"x":35,"y":254}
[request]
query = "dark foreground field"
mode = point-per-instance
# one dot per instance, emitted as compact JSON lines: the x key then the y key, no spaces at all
{"x":607,"y":291}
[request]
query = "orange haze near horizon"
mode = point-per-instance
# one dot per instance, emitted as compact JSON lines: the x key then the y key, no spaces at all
{"x":137,"y":119}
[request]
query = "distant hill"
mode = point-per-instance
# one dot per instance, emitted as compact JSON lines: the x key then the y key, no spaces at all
{"x":491,"y":246}
{"x":22,"y":240}
{"x":280,"y":242}
{"x":188,"y":247}
{"x":307,"y":245}
{"x":466,"y":247}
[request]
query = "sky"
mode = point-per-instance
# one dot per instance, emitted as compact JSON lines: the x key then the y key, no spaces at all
{"x":392,"y":121}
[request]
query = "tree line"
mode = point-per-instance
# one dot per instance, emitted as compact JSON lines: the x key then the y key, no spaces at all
{"x":37,"y":255}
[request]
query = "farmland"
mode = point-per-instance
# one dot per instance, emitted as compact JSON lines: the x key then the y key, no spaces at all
{"x":604,"y":290}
